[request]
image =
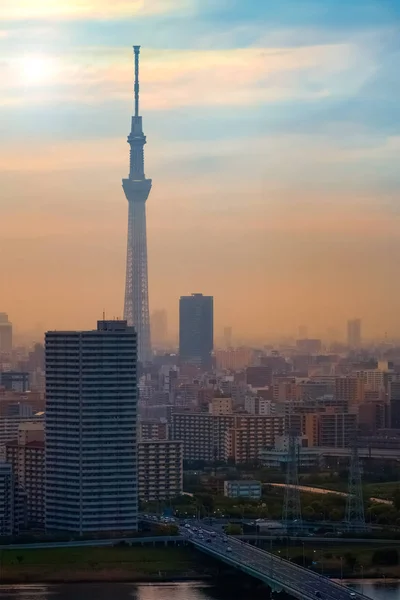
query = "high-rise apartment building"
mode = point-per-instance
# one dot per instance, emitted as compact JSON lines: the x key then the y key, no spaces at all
{"x":196,"y":329}
{"x":218,"y":437}
{"x":26,"y":455}
{"x":354,"y":332}
{"x":7,"y":500}
{"x":160,"y":468}
{"x":91,"y":419}
{"x":349,"y":390}
{"x":5,"y":334}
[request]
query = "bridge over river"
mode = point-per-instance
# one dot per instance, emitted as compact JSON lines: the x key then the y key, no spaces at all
{"x":279,"y":574}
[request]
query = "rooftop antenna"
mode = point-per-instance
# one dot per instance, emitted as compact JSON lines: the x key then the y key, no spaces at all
{"x":104,"y":315}
{"x":136,"y":50}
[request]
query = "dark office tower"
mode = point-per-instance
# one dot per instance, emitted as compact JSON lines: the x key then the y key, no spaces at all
{"x":5,"y":333}
{"x":354,"y":333}
{"x":91,"y":418}
{"x":137,"y":189}
{"x":196,"y":329}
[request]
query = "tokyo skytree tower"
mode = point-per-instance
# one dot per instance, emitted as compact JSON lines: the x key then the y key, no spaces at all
{"x":137,"y":189}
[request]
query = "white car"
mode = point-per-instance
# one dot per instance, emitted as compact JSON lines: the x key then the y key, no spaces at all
{"x":229,"y":549}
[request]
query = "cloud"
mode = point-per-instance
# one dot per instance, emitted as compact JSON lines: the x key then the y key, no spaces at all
{"x":171,"y":79}
{"x":87,"y":9}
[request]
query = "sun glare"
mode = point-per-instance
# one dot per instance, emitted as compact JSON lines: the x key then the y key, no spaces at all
{"x":37,"y":69}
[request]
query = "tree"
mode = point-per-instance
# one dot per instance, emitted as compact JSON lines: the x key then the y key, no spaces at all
{"x":308,"y":513}
{"x":385,"y":556}
{"x":350,"y":560}
{"x":233,"y":529}
{"x":206,"y":500}
{"x":396,"y":498}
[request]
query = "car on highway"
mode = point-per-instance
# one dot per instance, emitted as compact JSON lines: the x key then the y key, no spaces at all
{"x":229,"y":549}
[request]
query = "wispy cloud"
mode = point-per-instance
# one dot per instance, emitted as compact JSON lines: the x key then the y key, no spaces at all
{"x":87,"y":9}
{"x":170,"y":79}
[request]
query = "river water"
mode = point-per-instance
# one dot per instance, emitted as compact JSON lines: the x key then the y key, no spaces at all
{"x":178,"y":591}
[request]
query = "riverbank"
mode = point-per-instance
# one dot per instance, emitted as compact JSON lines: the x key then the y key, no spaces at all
{"x":163,"y":564}
{"x":131,"y":564}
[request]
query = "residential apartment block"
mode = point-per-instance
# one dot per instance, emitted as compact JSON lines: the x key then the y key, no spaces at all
{"x":160,"y":469}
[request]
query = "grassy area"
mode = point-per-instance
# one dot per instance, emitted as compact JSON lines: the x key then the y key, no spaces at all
{"x":90,"y":564}
{"x":351,"y":560}
{"x":381,"y":490}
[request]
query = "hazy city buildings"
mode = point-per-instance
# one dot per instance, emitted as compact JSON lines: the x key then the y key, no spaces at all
{"x":137,"y":189}
{"x":5,"y":334}
{"x":14,"y":381}
{"x":91,"y":419}
{"x":160,"y":469}
{"x":196,"y":329}
{"x":354,"y":333}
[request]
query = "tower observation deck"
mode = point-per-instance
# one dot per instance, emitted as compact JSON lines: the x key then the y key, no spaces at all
{"x":137,"y":189}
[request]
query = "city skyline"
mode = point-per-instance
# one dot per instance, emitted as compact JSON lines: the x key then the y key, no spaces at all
{"x":274,"y":145}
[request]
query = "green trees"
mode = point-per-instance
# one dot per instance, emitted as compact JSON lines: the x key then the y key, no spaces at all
{"x":385,"y":556}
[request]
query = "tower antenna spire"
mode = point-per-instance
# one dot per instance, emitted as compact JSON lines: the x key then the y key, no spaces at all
{"x":136,"y":50}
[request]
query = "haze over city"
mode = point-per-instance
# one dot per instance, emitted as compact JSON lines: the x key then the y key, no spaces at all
{"x":272,"y":134}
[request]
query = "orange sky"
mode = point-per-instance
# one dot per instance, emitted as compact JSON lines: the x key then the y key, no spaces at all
{"x":268,"y":191}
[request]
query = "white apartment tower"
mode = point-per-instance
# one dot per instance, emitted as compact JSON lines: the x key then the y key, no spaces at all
{"x":91,"y":418}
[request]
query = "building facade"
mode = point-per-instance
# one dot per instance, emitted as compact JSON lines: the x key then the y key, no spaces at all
{"x":219,"y":437}
{"x":7,"y":500}
{"x":196,"y":329}
{"x":160,"y":469}
{"x":91,"y":421}
{"x":243,"y":489}
{"x":27,"y":462}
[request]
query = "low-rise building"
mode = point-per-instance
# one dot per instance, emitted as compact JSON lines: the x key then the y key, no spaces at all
{"x":277,"y":457}
{"x":160,"y":469}
{"x":243,"y":489}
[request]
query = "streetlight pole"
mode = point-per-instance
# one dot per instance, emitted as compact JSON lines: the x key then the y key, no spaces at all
{"x":362,"y":579}
{"x":341,"y":570}
{"x":304,"y":556}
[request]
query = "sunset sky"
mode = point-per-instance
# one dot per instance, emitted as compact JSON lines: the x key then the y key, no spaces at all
{"x":273,"y":132}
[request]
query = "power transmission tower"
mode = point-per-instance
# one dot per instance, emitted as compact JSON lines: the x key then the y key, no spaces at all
{"x":355,"y":518}
{"x":292,"y":505}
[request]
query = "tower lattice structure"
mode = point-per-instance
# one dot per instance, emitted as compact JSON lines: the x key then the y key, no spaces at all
{"x":355,"y":517}
{"x":292,"y":505}
{"x":137,"y":189}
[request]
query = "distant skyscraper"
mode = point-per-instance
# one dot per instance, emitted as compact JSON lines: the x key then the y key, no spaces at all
{"x":91,"y":419}
{"x":5,"y":333}
{"x":196,"y":329}
{"x":354,"y":332}
{"x":228,"y":337}
{"x":159,"y":326}
{"x":137,"y":189}
{"x":303,"y":332}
